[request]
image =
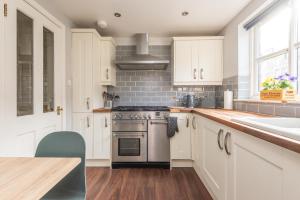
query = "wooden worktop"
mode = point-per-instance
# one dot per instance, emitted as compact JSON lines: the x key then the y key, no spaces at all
{"x":102,"y":110}
{"x":32,"y":178}
{"x":224,"y":117}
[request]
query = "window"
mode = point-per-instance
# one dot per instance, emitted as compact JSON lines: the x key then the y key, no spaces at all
{"x":24,"y":65}
{"x":275,"y":44}
{"x":48,"y":70}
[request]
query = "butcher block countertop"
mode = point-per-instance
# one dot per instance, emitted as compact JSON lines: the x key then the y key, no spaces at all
{"x":224,"y":117}
{"x":32,"y":178}
{"x":102,"y":110}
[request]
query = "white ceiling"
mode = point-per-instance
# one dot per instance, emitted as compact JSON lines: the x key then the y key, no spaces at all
{"x":157,"y":17}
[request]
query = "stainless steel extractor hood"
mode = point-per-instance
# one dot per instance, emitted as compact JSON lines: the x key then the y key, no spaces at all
{"x":142,"y":60}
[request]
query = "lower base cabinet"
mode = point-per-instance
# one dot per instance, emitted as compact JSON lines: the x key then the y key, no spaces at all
{"x":237,"y":166}
{"x":102,"y":136}
{"x":181,"y":142}
{"x":96,"y":131}
{"x":214,"y":159}
{"x":83,"y":124}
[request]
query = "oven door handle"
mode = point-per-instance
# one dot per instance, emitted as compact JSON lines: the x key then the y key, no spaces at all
{"x":128,"y":135}
{"x":158,"y":122}
{"x":129,"y":122}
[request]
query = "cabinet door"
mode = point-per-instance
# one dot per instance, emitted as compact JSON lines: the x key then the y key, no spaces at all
{"x":185,"y":62}
{"x":210,"y":64}
{"x":83,"y":124}
{"x":256,"y":169}
{"x":197,"y":143}
{"x":181,"y":141}
{"x":108,"y":71}
{"x":214,"y":166}
{"x":194,"y":141}
{"x":82,"y":61}
{"x":102,"y":136}
{"x":113,"y":66}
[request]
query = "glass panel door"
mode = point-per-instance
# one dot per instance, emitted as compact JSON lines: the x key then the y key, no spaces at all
{"x":48,"y":70}
{"x":24,"y":64}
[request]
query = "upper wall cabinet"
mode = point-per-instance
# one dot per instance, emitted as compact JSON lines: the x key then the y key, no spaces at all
{"x":108,"y":56}
{"x":198,"y":60}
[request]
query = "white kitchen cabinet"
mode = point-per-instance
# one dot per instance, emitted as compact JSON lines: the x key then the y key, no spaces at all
{"x":241,"y":166}
{"x":198,"y":60}
{"x":215,"y":161}
{"x":108,"y":57}
{"x":87,"y":61}
{"x":82,"y":69}
{"x":261,"y":170}
{"x":181,"y":141}
{"x":185,"y":62}
{"x":196,"y":133}
{"x":96,"y":131}
{"x":83,"y":124}
{"x":102,"y":136}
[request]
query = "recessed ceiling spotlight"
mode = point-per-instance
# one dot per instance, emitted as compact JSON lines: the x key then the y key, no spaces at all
{"x":184,"y":13}
{"x":117,"y":14}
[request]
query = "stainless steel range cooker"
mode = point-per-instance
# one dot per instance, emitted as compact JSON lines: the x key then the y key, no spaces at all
{"x":140,"y":137}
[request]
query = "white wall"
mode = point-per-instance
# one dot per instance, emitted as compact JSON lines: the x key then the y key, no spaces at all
{"x":231,"y":63}
{"x":69,"y":24}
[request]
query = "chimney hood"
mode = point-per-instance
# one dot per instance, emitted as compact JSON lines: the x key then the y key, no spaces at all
{"x":142,"y":60}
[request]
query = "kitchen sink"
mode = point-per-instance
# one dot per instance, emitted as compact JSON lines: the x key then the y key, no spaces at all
{"x":284,"y":126}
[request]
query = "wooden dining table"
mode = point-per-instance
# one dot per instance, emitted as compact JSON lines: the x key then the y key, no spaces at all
{"x":31,"y":178}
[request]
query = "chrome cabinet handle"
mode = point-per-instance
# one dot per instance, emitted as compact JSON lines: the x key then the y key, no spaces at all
{"x":88,"y":103}
{"x":105,"y":124}
{"x":187,"y":122}
{"x":193,"y":123}
{"x":228,"y":135}
{"x":195,"y":73}
{"x":107,"y":75}
{"x":219,"y":136}
{"x":201,"y":73}
{"x":88,"y":122}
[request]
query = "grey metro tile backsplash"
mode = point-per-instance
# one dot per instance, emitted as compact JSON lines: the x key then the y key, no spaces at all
{"x":154,"y":87}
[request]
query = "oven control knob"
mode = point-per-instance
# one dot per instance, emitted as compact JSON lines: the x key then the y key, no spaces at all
{"x":144,"y":116}
{"x":120,"y":116}
{"x":136,"y":116}
{"x":149,"y":116}
{"x":131,"y":116}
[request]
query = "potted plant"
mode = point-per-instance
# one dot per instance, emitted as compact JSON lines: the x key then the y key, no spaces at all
{"x":279,"y":88}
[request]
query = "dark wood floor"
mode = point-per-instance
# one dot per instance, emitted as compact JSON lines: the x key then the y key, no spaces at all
{"x":144,"y":184}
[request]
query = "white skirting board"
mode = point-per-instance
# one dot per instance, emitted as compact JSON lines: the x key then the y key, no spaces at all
{"x":98,"y":163}
{"x":181,"y":163}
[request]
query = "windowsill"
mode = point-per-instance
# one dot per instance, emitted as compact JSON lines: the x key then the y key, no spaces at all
{"x":254,"y":100}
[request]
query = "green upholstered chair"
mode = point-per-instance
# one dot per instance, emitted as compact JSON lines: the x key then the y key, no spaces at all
{"x":65,"y":144}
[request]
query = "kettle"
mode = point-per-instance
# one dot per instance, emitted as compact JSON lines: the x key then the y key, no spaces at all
{"x":190,"y":101}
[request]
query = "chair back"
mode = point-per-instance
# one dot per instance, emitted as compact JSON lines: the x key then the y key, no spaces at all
{"x":66,"y":144}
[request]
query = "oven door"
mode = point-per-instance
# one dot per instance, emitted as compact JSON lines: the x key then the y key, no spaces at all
{"x":129,"y":147}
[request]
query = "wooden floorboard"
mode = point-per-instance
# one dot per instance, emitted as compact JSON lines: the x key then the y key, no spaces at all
{"x":144,"y":184}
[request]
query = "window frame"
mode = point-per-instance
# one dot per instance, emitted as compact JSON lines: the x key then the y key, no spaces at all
{"x":291,"y":51}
